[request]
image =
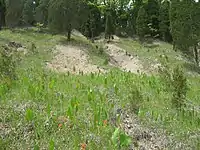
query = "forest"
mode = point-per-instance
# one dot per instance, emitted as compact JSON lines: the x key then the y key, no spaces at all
{"x":172,"y":21}
{"x":100,"y":74}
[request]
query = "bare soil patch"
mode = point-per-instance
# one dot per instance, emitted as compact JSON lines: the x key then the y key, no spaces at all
{"x":72,"y":59}
{"x":122,"y":59}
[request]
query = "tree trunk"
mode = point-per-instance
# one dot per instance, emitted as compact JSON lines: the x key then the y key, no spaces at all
{"x":69,"y":33}
{"x":196,"y":55}
{"x":92,"y":37}
{"x":1,"y":17}
{"x":174,"y":46}
{"x":0,"y":21}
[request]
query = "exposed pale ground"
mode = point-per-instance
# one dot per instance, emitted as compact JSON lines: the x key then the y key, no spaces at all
{"x":72,"y":59}
{"x":121,"y":59}
{"x":75,"y":60}
{"x":149,"y":138}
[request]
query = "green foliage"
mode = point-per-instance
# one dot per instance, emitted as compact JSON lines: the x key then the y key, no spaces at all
{"x":28,"y":12}
{"x":8,"y":60}
{"x":64,"y":15}
{"x":141,"y":23}
{"x":175,"y":82}
{"x":152,"y":9}
{"x":51,"y":145}
{"x":109,"y":30}
{"x":121,"y":21}
{"x":29,"y":115}
{"x":41,"y":15}
{"x":7,"y":64}
{"x":164,"y":21}
{"x":50,"y":94}
{"x":182,"y":24}
{"x":14,"y":10}
{"x":2,"y":14}
{"x":132,"y":16}
{"x":92,"y":27}
{"x":179,"y":88}
{"x":135,"y":98}
{"x":120,"y":139}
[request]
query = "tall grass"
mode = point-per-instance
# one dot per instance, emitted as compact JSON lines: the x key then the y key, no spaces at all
{"x":46,"y":110}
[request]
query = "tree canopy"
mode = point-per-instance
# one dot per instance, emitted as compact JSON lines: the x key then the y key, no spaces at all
{"x":172,"y":21}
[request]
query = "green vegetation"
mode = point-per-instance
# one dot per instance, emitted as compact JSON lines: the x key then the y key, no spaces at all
{"x":141,"y":23}
{"x":44,"y":109}
{"x":109,"y":25}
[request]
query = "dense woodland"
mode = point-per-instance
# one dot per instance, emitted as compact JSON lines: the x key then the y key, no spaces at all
{"x":173,"y":21}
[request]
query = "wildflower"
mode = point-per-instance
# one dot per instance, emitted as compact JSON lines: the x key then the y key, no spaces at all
{"x":105,"y":122}
{"x":83,"y":146}
{"x":60,"y":125}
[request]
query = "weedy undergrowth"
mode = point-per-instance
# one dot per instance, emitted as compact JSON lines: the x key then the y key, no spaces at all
{"x":179,"y":84}
{"x":8,"y":61}
{"x":175,"y":83}
{"x":135,"y":98}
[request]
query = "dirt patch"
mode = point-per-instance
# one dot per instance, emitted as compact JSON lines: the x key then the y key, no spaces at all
{"x":72,"y":59}
{"x":149,"y":138}
{"x":122,"y":59}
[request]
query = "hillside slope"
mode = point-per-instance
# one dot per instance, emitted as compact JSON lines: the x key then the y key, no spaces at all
{"x":75,"y":108}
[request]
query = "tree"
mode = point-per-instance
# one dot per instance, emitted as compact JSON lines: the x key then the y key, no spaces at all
{"x":2,"y":13}
{"x":64,"y":15}
{"x":28,"y":12}
{"x":174,"y":23}
{"x":152,"y":9}
{"x":185,"y":24}
{"x":164,"y":23}
{"x":109,"y":30}
{"x":121,"y":21}
{"x":42,"y":12}
{"x":141,"y":23}
{"x":195,"y":15}
{"x":92,"y":27}
{"x":14,"y":10}
{"x":132,"y":16}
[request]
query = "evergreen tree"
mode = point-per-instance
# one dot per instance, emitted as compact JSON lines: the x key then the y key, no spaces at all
{"x":133,"y":12}
{"x":196,"y":29}
{"x":109,"y":30}
{"x":92,"y":27}
{"x":28,"y":12}
{"x":152,"y":9}
{"x":164,"y":25}
{"x":141,"y":23}
{"x":174,"y":23}
{"x":42,"y":12}
{"x":121,"y":21}
{"x":2,"y":13}
{"x":64,"y":15}
{"x":181,"y":24}
{"x":185,"y":26}
{"x":14,"y":10}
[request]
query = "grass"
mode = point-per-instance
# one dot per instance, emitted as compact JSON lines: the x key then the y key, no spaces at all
{"x":46,"y":110}
{"x":152,"y":54}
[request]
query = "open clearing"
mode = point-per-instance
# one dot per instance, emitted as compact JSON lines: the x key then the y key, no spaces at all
{"x":45,"y":109}
{"x":72,"y":59}
{"x":75,"y":60}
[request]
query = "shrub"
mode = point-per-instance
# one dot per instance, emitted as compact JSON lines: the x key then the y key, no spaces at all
{"x":8,"y":59}
{"x":175,"y":82}
{"x":135,"y":99}
{"x":7,"y":63}
{"x":179,"y":88}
